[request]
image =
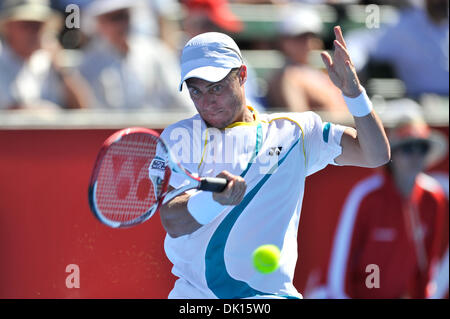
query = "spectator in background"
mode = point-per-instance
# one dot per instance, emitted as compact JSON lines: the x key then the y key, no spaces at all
{"x":298,"y":86}
{"x":127,"y":70}
{"x":416,"y":46}
{"x":209,"y":16}
{"x":393,"y":219}
{"x":31,"y":75}
{"x":168,"y":27}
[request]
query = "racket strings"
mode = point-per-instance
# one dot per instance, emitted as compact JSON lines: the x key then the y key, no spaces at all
{"x":124,"y":190}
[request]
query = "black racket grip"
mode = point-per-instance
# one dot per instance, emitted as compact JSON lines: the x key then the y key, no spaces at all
{"x":213,"y":184}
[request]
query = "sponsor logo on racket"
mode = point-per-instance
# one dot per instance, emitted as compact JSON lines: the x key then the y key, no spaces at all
{"x":158,"y":164}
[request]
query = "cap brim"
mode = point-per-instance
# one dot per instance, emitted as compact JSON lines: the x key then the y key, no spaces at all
{"x":207,"y":73}
{"x":28,"y":13}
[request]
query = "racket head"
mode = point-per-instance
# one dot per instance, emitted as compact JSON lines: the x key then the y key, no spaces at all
{"x":121,"y":193}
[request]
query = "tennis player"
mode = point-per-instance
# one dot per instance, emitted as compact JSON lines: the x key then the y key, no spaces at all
{"x":266,"y":158}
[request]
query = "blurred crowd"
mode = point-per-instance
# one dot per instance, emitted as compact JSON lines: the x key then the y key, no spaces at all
{"x":124,"y":54}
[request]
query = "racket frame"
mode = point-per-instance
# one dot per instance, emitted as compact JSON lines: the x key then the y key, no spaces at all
{"x":114,"y":138}
{"x":165,"y":196}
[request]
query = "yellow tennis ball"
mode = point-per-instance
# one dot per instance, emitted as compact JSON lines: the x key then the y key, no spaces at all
{"x":266,"y":258}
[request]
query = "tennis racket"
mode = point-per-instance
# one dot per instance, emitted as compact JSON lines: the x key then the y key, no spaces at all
{"x":131,"y":175}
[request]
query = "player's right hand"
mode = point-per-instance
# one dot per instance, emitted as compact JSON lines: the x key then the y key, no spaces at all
{"x":234,"y":192}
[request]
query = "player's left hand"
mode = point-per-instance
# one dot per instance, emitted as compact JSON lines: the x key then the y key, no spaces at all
{"x":234,"y":192}
{"x":340,"y":68}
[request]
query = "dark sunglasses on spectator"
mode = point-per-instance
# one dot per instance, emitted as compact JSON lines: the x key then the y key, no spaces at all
{"x":410,"y":148}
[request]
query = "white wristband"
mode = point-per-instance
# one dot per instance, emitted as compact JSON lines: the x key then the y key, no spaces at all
{"x":203,"y":207}
{"x":359,"y":106}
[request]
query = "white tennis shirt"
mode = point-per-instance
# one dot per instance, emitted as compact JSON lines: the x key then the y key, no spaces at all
{"x":274,"y":154}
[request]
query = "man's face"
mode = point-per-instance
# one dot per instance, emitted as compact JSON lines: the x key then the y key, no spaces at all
{"x":115,"y":25}
{"x":298,"y":48}
{"x":219,"y":103}
{"x":408,"y":160}
{"x":23,"y":36}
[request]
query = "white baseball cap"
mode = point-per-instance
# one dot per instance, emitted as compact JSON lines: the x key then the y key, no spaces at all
{"x":209,"y":56}
{"x":28,"y":10}
{"x":297,"y":20}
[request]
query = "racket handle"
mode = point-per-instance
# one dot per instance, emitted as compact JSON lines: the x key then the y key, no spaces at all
{"x":213,"y":184}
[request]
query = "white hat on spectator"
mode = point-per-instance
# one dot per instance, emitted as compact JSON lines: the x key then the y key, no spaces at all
{"x":100,"y":7}
{"x":209,"y":56}
{"x":25,"y":10}
{"x":299,"y":19}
